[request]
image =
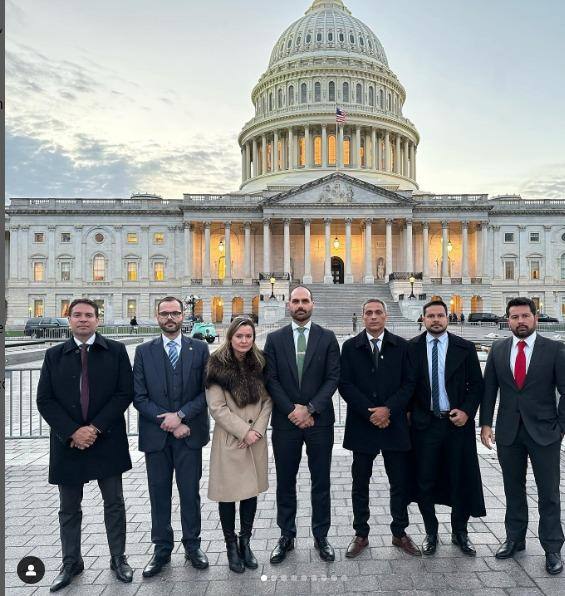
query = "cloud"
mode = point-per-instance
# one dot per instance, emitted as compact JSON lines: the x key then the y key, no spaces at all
{"x":547,"y":182}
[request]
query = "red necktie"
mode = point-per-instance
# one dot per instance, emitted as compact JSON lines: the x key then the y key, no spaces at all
{"x":84,"y":389}
{"x":520,"y":365}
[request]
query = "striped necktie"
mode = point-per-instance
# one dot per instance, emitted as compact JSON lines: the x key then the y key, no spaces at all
{"x":435,"y":379}
{"x":173,"y":353}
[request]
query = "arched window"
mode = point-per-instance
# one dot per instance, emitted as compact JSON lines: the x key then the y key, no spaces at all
{"x":263,"y":104}
{"x":318,"y":36}
{"x":303,"y":93}
{"x":318,"y":92}
{"x":361,"y":41}
{"x":317,"y":151}
{"x":358,"y":93}
{"x":270,"y":102}
{"x":280,"y":98}
{"x":291,"y":95}
{"x":289,"y":44}
{"x":346,"y":92}
{"x":330,"y":36}
{"x":351,"y":38}
{"x":371,"y":96}
{"x":301,"y":152}
{"x":381,"y":99}
{"x":331,"y":150}
{"x":99,"y":268}
{"x":389,"y":106}
{"x":331,"y":91}
{"x":308,"y":38}
{"x":341,"y":37}
{"x":346,"y":151}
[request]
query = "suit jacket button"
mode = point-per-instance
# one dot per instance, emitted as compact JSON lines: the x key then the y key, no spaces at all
{"x":251,"y":422}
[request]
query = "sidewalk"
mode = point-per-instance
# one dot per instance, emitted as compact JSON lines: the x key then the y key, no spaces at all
{"x":32,"y":529}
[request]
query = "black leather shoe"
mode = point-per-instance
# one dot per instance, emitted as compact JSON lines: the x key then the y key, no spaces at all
{"x":553,"y":563}
{"x":284,"y":545}
{"x":429,"y":546}
{"x":197,"y":558}
{"x":325,"y":549}
{"x":155,"y":565}
{"x":120,"y":565}
{"x":508,"y":548}
{"x":461,"y":539}
{"x":66,"y":575}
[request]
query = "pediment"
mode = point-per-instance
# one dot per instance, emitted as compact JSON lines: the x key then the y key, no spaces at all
{"x":339,"y":189}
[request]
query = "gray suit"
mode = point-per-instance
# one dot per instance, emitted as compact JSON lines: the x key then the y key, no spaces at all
{"x":530,"y":423}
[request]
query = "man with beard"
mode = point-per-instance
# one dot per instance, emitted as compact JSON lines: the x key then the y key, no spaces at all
{"x":449,"y":388}
{"x":173,"y":427}
{"x":303,"y":372}
{"x":527,"y":369}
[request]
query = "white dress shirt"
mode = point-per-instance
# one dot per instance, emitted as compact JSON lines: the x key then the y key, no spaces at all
{"x":442,"y":346}
{"x":379,"y":340}
{"x":88,"y":342}
{"x":177,"y":340}
{"x":528,"y":349}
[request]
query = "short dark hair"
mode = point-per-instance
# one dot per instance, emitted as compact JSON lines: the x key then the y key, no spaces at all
{"x":521,"y":301}
{"x":88,"y":301}
{"x":369,"y":300}
{"x":171,"y":299}
{"x":303,"y":287}
{"x":434,"y":303}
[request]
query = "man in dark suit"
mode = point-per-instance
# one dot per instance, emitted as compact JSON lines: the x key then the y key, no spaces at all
{"x":84,"y":389}
{"x":303,"y":372}
{"x":449,"y":387}
{"x":173,"y":427}
{"x":527,"y":369}
{"x":375,"y":382}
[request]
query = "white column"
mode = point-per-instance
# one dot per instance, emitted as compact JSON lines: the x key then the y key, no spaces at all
{"x":465,"y":252}
{"x":488,"y":252}
{"x":247,"y":253}
{"x":406,"y":171}
{"x":397,"y":165}
{"x":409,"y":248}
{"x":77,"y":264}
{"x":549,"y":265}
{"x":264,"y":154}
{"x":227,"y":242}
{"x":24,"y":265}
{"x":328,"y":279}
{"x":388,"y":249}
{"x":307,"y":279}
{"x":374,"y":150}
{"x":369,"y":278}
{"x":484,"y":249}
{"x":275,"y":151}
{"x":206,"y":277}
{"x":348,"y":277}
{"x":266,"y":247}
{"x":188,"y":250}
{"x":14,"y":252}
{"x":445,"y":251}
{"x":412,"y":161}
{"x":116,"y":262}
{"x":425,"y":251}
{"x":291,"y":160}
{"x":243,"y":164}
{"x":286,"y":246}
{"x":324,"y":145}
{"x":247,"y":161}
{"x":147,"y":274}
{"x":387,"y":151}
{"x":307,"y":146}
{"x":255,"y":159}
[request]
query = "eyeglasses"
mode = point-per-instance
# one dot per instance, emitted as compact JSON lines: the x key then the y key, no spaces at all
{"x":170,"y":315}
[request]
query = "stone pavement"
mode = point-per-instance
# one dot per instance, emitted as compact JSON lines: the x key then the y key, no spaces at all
{"x":32,"y":529}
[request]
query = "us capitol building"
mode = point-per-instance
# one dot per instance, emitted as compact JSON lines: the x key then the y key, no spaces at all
{"x":320,"y":202}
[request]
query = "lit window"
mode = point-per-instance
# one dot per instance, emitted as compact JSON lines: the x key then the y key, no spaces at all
{"x":158,"y":238}
{"x":317,"y":151}
{"x":331,"y":91}
{"x":38,"y":271}
{"x":132,"y":270}
{"x":99,"y":268}
{"x":534,"y":269}
{"x":331,"y":150}
{"x":39,"y":237}
{"x":132,"y":308}
{"x":362,"y":154}
{"x":346,"y":151}
{"x":269,"y":157}
{"x":65,"y":237}
{"x":508,"y":236}
{"x":65,"y":308}
{"x":301,"y":152}
{"x":132,"y":238}
{"x":65,"y":271}
{"x":280,"y":156}
{"x":508,"y":269}
{"x":534,"y":236}
{"x":38,"y":309}
{"x":159,"y":271}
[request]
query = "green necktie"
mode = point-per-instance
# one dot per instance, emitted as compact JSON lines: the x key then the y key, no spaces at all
{"x":300,"y":351}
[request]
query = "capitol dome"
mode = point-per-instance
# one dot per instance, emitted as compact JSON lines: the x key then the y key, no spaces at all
{"x":325,"y":61}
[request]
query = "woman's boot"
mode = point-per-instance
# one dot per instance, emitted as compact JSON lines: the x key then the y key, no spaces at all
{"x":245,"y":552}
{"x":247,"y":510}
{"x":234,"y":560}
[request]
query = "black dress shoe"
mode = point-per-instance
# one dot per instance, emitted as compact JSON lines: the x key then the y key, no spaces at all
{"x":553,"y":563}
{"x":155,"y":565}
{"x":429,"y":545}
{"x":325,"y":549}
{"x":120,"y":565}
{"x":284,"y":545}
{"x":508,"y":548}
{"x":197,"y":558}
{"x":65,"y":577}
{"x":461,"y":539}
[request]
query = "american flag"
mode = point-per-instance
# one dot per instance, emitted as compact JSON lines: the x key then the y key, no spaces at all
{"x":340,"y":116}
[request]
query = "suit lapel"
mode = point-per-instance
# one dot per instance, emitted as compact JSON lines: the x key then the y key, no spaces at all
{"x":157,"y":353}
{"x":454,"y":357}
{"x":423,"y":350}
{"x":290,"y":351}
{"x":536,"y":355}
{"x":312,"y":346}
{"x":187,"y":360}
{"x":505,"y":355}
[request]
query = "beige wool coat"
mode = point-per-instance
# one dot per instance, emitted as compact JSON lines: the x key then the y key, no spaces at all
{"x":237,"y":474}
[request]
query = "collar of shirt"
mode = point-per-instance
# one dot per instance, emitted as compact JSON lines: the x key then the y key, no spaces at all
{"x":442,"y":338}
{"x":177,"y":340}
{"x":380,"y":338}
{"x":88,"y":342}
{"x":530,"y":341}
{"x":295,"y":326}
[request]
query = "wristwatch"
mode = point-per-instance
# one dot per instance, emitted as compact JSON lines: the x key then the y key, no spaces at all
{"x":311,"y":409}
{"x":181,"y":415}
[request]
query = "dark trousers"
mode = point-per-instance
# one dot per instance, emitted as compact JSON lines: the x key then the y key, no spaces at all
{"x":247,"y":510}
{"x":432,"y":446}
{"x":70,"y":517}
{"x":287,"y":449}
{"x":187,"y":465}
{"x":545,"y":466}
{"x":397,"y":469}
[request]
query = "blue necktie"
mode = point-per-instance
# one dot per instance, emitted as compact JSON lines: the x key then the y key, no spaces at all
{"x":435,"y":379}
{"x":173,"y":353}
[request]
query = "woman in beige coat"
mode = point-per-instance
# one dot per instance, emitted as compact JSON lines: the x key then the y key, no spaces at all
{"x":241,"y":407}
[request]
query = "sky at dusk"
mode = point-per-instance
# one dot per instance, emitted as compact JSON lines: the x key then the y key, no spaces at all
{"x":109,"y":98}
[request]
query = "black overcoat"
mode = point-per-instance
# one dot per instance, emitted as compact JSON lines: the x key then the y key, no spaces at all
{"x":58,"y":400}
{"x":362,"y":386}
{"x":460,"y":475}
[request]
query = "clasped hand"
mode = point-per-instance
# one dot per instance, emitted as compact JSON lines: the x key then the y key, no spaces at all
{"x":380,"y":416}
{"x":251,"y":438}
{"x":170,"y":421}
{"x":84,"y":437}
{"x":301,"y":417}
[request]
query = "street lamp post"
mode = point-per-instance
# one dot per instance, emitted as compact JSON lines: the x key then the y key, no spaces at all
{"x":191,"y":302}
{"x":272,"y":280}
{"x":412,"y":280}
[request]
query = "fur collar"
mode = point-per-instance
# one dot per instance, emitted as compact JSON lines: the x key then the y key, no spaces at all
{"x":244,"y":381}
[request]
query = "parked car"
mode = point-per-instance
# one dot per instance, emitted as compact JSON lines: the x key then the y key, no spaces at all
{"x":55,"y":327}
{"x":205,"y":331}
{"x":483,"y":317}
{"x":543,"y":318}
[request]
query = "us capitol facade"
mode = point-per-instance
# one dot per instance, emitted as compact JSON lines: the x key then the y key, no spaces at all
{"x":319,"y":203}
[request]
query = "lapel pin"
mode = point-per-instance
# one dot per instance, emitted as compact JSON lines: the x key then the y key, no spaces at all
{"x":190,"y":349}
